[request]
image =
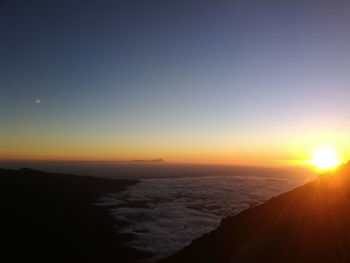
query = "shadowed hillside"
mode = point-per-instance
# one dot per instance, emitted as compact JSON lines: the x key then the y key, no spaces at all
{"x":51,"y":218}
{"x":308,"y":224}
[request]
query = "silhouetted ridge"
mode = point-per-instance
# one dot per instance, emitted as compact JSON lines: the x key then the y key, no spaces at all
{"x":308,"y":224}
{"x":49,"y":217}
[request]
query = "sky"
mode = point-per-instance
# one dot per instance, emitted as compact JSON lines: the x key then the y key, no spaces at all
{"x":242,"y":82}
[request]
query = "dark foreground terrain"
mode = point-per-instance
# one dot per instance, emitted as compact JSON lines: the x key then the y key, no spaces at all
{"x":308,"y":224}
{"x":51,"y":218}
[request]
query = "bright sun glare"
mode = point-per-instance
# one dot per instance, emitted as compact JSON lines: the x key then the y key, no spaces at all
{"x":325,"y":158}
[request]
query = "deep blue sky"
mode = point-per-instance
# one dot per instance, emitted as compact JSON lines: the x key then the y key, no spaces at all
{"x":156,"y":78}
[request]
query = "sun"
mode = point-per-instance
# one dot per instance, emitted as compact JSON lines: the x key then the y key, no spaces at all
{"x":325,"y":158}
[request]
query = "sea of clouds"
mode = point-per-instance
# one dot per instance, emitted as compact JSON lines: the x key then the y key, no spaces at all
{"x":165,"y":215}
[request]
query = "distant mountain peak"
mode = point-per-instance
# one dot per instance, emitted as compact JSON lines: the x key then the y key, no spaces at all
{"x":145,"y":161}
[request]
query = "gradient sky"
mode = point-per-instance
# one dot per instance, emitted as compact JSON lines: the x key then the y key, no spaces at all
{"x":188,"y":81}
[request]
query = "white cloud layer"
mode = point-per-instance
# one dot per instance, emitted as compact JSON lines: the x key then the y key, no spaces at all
{"x":167,"y":214}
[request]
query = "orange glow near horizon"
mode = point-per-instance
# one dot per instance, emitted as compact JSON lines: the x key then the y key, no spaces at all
{"x":325,"y":158}
{"x":269,"y":148}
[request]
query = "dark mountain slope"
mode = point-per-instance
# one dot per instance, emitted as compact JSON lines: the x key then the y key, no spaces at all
{"x":51,"y":218}
{"x":308,"y":224}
